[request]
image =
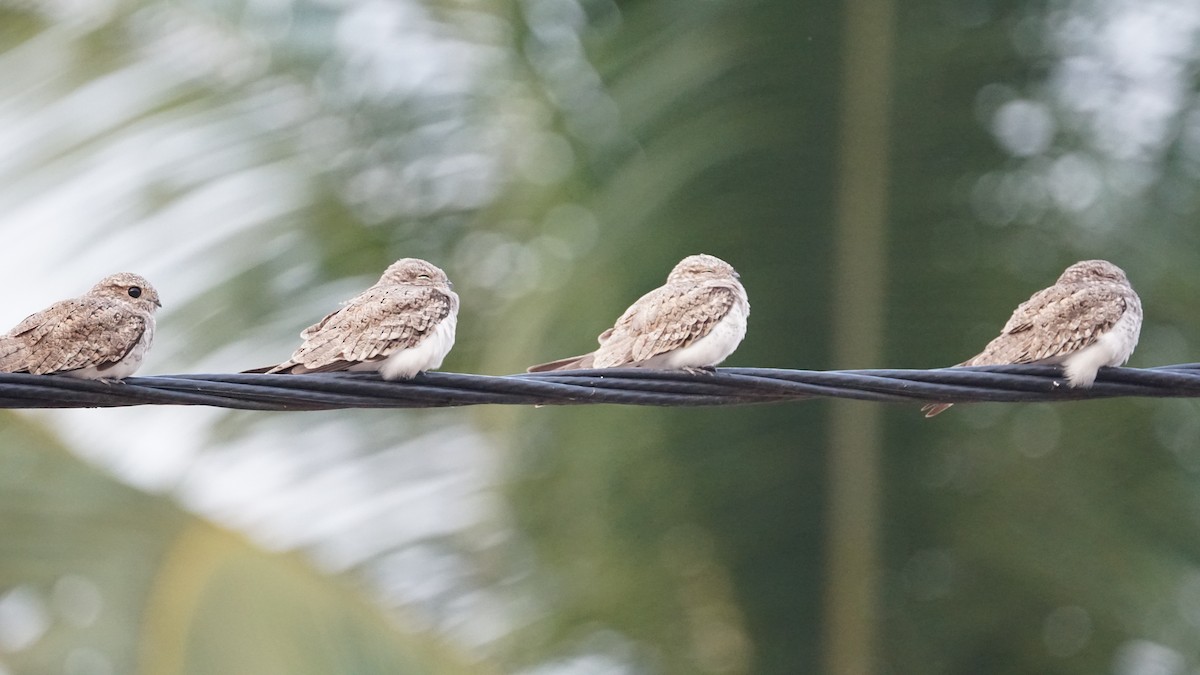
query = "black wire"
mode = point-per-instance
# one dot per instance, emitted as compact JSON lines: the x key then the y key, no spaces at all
{"x":624,"y":386}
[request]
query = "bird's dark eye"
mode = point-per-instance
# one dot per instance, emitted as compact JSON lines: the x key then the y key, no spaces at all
{"x":135,"y":291}
{"x":423,"y":276}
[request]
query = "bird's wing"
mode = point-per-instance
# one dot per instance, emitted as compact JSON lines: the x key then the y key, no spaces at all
{"x":74,"y":334}
{"x":1055,"y":323}
{"x":372,"y":326}
{"x":663,"y":320}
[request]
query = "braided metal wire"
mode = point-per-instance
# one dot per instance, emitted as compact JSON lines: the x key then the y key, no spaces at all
{"x":626,"y":386}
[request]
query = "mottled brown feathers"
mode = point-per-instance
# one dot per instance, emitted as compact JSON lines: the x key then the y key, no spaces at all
{"x":1091,"y":317}
{"x":695,"y":320}
{"x":103,"y":333}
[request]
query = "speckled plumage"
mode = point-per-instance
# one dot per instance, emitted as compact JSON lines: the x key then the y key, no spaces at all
{"x":103,"y":334}
{"x":695,"y":320}
{"x":1091,"y":317}
{"x":400,"y":326}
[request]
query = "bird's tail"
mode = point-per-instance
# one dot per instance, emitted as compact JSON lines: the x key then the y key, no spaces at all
{"x":280,"y":368}
{"x":932,"y":409}
{"x":572,"y":363}
{"x":935,"y":408}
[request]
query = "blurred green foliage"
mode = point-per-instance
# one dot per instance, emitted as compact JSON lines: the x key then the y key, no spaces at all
{"x":99,"y":577}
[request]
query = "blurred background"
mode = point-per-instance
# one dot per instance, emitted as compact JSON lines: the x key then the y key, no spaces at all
{"x":889,"y":180}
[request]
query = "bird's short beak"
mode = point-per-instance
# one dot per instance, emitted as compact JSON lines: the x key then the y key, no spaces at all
{"x":158,"y":304}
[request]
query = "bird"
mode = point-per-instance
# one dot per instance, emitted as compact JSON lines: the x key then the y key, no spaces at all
{"x":692,"y":322}
{"x":402,"y":325}
{"x":1090,"y":317}
{"x":101,"y":335}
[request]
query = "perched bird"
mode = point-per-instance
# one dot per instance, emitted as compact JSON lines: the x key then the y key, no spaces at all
{"x":1090,"y":317}
{"x":402,"y":325}
{"x":695,"y":320}
{"x":101,"y":335}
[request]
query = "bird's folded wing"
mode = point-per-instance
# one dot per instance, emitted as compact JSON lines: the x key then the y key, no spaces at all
{"x":664,"y":320}
{"x":77,"y":333}
{"x":373,"y":326}
{"x":1055,"y":323}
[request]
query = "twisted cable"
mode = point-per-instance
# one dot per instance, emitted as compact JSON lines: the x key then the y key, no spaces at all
{"x":623,"y":386}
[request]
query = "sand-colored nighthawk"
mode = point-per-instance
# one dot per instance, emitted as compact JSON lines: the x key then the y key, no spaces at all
{"x":100,"y":335}
{"x":402,"y":325}
{"x":695,"y":320}
{"x":1091,"y":317}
